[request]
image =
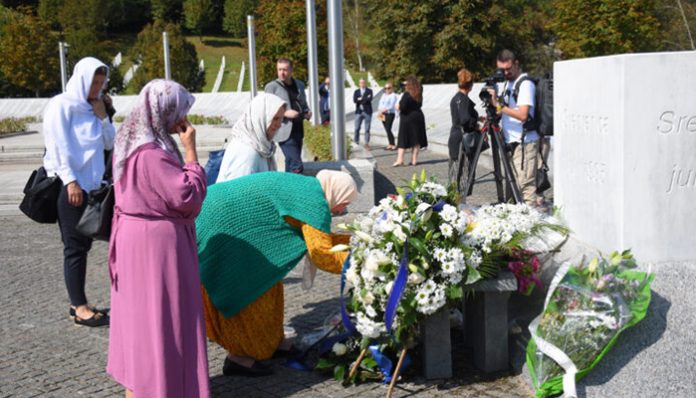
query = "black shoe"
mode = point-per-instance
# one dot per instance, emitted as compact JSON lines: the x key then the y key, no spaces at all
{"x":96,"y":320}
{"x":231,"y":368}
{"x":291,"y":353}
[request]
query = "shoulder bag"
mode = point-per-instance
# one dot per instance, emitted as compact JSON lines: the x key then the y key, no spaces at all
{"x":40,"y":201}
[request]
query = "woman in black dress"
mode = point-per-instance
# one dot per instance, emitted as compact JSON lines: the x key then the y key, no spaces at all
{"x":412,"y":125}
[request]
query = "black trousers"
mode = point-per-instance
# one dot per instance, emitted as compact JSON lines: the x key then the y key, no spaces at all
{"x":387,"y":123}
{"x":75,"y":247}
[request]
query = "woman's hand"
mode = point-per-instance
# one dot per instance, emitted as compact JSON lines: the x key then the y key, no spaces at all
{"x":187,"y":135}
{"x":75,"y":196}
{"x":99,"y":108}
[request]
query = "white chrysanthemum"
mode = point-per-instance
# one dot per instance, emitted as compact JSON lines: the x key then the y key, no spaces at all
{"x":446,"y":230}
{"x":439,"y":254}
{"x":370,"y":311}
{"x":388,"y":287}
{"x":449,"y":213}
{"x":368,"y":327}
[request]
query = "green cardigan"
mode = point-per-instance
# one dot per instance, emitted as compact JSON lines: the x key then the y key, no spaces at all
{"x":244,"y":244}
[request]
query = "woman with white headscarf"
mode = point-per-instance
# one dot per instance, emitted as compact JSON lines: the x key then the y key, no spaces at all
{"x":76,"y":133}
{"x":157,"y":344}
{"x":251,"y":149}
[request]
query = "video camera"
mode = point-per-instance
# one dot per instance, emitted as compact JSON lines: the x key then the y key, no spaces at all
{"x":491,"y":83}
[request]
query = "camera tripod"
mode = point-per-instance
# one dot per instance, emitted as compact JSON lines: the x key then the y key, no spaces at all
{"x":465,"y":169}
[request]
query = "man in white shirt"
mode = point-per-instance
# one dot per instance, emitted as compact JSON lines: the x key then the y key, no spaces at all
{"x":517,"y":110}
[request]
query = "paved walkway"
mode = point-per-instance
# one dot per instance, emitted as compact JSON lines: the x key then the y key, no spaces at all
{"x":43,"y":354}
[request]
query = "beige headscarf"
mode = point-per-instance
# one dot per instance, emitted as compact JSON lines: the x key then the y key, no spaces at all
{"x":339,"y":187}
{"x":251,"y":127}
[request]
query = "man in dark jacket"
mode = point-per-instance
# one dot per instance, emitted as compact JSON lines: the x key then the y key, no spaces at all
{"x":292,"y":91}
{"x":362,"y":98}
{"x":324,"y":101}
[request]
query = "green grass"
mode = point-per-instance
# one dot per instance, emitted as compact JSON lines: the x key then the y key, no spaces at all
{"x":211,"y":49}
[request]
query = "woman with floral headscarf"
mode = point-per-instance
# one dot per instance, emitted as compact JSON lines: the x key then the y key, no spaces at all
{"x":76,"y":133}
{"x":250,"y":148}
{"x":157,"y":344}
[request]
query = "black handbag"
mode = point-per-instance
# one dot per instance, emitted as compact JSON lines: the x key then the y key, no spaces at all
{"x":40,"y":201}
{"x":542,"y":174}
{"x":542,"y":179}
{"x":96,"y":220}
{"x":470,"y":141}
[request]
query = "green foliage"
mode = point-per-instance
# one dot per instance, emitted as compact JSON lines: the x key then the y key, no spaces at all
{"x":281,"y":32}
{"x":149,"y":52}
{"x":318,"y":141}
{"x":29,"y":61}
{"x":166,"y":10}
{"x":236,"y":12}
{"x":14,"y":125}
{"x":201,"y":119}
{"x":587,"y":28}
{"x":49,"y":11}
{"x":198,"y":15}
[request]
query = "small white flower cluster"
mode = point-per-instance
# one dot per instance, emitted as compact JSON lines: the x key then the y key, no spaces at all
{"x":497,"y":224}
{"x":430,"y":297}
{"x":432,"y":188}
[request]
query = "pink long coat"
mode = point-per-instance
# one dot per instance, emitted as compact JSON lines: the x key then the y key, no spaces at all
{"x":157,"y":345}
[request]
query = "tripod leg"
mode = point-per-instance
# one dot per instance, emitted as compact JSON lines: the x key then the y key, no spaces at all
{"x":495,"y":149}
{"x":510,"y":176}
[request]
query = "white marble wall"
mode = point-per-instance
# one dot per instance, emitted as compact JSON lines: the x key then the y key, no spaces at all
{"x":625,"y":152}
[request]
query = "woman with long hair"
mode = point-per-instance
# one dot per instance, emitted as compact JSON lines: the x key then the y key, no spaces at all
{"x":412,"y":126}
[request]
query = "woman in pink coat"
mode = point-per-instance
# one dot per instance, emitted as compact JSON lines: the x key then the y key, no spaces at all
{"x":157,"y":344}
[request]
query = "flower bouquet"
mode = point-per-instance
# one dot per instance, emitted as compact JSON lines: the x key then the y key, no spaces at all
{"x":414,"y":253}
{"x":587,"y":308}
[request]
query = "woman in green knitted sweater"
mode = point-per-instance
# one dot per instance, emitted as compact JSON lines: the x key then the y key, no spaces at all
{"x":251,"y":232}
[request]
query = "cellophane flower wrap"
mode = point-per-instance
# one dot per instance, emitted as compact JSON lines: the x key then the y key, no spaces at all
{"x":442,"y":248}
{"x":591,"y":305}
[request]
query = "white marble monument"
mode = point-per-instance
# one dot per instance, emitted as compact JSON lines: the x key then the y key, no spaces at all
{"x":625,"y":152}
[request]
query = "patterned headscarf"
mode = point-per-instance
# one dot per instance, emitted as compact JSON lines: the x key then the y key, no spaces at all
{"x":160,"y":105}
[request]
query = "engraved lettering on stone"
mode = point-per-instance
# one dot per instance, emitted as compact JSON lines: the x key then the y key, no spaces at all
{"x":595,"y":171}
{"x":585,"y":124}
{"x":670,"y":122}
{"x":681,"y":179}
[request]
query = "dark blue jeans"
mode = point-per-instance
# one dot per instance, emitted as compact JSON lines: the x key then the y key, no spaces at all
{"x":75,"y":247}
{"x":292,"y":150}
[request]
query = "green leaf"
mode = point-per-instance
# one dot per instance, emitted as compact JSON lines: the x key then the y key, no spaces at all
{"x":418,"y":245}
{"x":339,"y":372}
{"x":369,"y":363}
{"x":423,"y":176}
{"x":455,"y":292}
{"x":324,"y":364}
{"x":472,"y":276}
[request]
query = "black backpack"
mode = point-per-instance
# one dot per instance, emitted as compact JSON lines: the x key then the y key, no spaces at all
{"x":542,"y":120}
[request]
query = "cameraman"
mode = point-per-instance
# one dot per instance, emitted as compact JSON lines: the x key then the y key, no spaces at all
{"x":523,"y":146}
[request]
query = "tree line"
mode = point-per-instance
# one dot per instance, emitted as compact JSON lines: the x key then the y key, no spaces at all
{"x":393,"y":39}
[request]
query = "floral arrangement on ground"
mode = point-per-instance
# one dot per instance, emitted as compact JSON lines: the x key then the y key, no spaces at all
{"x":414,"y":254}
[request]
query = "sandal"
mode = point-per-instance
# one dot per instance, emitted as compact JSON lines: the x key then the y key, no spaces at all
{"x":96,"y":320}
{"x":103,"y":311}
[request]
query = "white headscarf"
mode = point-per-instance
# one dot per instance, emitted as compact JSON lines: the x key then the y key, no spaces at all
{"x":251,"y":128}
{"x":72,"y":112}
{"x":161,"y":103}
